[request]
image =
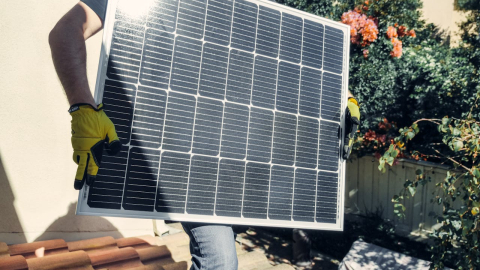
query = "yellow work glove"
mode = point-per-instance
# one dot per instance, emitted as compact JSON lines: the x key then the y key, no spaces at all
{"x":352,"y":121}
{"x":92,"y":131}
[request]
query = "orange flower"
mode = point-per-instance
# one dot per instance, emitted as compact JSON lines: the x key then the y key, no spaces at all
{"x":363,"y":30}
{"x":369,"y":32}
{"x":412,"y":33}
{"x":397,"y":48}
{"x":365,"y":53}
{"x":370,"y":135}
{"x":402,"y":31}
{"x":366,"y":2}
{"x":382,"y":138}
{"x":392,"y":32}
{"x":396,"y":25}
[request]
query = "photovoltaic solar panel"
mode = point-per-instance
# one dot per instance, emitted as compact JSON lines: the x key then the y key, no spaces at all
{"x":228,"y":111}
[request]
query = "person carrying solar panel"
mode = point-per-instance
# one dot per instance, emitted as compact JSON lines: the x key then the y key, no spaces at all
{"x":212,"y":246}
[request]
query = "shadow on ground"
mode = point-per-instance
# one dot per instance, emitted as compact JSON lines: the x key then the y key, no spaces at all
{"x":277,"y":245}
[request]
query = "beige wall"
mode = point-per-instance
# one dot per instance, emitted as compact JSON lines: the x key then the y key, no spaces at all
{"x":37,"y":198}
{"x":442,"y":13}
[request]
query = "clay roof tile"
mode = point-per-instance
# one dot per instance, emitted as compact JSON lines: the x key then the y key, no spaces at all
{"x":13,"y":263}
{"x":93,"y":245}
{"x":39,"y":249}
{"x":77,"y":260}
{"x":123,"y":258}
{"x":4,"y":250}
{"x":138,"y":242}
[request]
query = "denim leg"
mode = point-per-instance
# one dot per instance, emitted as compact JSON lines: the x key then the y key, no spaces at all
{"x":212,"y":246}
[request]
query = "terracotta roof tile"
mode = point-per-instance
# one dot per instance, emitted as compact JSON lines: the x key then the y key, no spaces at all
{"x":13,"y":263}
{"x":77,"y":260}
{"x":123,"y":258}
{"x":138,"y":242}
{"x":154,"y":254}
{"x":172,"y":266}
{"x":93,"y":245}
{"x":39,"y":249}
{"x":4,"y":250}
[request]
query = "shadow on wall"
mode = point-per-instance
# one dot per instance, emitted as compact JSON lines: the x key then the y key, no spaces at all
{"x":9,"y":221}
{"x":74,"y":225}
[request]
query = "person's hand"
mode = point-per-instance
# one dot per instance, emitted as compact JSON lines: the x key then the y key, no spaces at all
{"x":352,"y":121}
{"x":92,"y":131}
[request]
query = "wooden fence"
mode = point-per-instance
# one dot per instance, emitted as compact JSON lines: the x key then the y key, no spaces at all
{"x":368,"y":189}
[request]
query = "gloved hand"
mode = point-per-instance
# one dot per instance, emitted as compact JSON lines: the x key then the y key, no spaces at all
{"x":352,"y":121}
{"x":92,"y":131}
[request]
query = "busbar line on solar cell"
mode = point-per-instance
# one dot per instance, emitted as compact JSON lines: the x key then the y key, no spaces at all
{"x":260,"y":135}
{"x":218,"y":22}
{"x":228,"y":199}
{"x":264,"y":85}
{"x":174,"y":166}
{"x":244,"y":26}
{"x":333,"y":57}
{"x":191,"y":18}
{"x":213,"y":71}
{"x":234,"y":131}
{"x":163,"y":14}
{"x":280,"y":193}
{"x":284,"y":142}
{"x":268,"y":32}
{"x":304,"y":195}
{"x":239,"y":79}
{"x":291,"y":39}
{"x":330,"y":84}
{"x":207,"y":127}
{"x":310,"y":92}
{"x":256,"y":190}
{"x":149,"y":111}
{"x":157,"y":58}
{"x":122,"y":70}
{"x":327,"y":195}
{"x":306,"y":150}
{"x":288,"y":78}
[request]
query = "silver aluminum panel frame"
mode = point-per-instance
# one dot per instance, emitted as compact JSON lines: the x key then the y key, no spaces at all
{"x":84,"y":209}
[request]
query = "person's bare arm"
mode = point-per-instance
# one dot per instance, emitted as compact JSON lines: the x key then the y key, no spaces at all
{"x":67,"y":43}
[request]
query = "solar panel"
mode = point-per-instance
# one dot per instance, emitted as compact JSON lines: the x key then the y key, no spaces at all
{"x":228,"y":111}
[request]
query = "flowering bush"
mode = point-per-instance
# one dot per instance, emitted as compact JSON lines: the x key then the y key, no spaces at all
{"x":363,"y":30}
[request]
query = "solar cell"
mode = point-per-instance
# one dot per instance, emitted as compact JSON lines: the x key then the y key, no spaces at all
{"x":229,"y":112}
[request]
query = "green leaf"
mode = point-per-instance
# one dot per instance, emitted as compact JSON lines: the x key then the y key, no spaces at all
{"x":415,"y":128}
{"x":390,"y":160}
{"x":457,"y":145}
{"x":410,"y":135}
{"x":456,"y":132}
{"x":445,"y":121}
{"x":412,"y":190}
{"x":476,"y":172}
{"x":419,"y":172}
{"x":457,"y":224}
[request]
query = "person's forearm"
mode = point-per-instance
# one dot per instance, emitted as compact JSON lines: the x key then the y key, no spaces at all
{"x":67,"y":44}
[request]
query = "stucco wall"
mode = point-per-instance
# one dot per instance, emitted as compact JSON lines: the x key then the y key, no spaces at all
{"x":37,"y":199}
{"x":442,"y":13}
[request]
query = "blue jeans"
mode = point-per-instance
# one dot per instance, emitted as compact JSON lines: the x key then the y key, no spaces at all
{"x":212,"y":246}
